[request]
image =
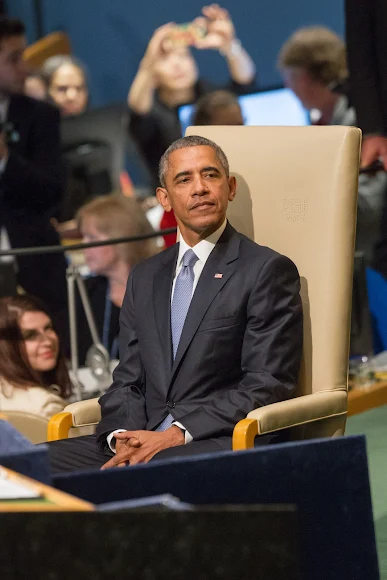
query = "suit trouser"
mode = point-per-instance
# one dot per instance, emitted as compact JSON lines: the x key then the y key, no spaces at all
{"x":81,"y":453}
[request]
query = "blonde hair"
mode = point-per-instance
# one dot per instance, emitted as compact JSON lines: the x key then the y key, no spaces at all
{"x":117,"y":216}
{"x":317,"y":49}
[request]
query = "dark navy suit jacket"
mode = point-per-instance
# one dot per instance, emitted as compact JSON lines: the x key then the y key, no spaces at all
{"x":240,"y":347}
{"x":31,"y":188}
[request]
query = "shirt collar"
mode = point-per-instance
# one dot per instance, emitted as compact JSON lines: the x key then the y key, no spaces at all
{"x":204,"y":248}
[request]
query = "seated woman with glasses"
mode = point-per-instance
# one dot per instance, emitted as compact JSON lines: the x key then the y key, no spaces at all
{"x":66,"y":82}
{"x":33,"y":372}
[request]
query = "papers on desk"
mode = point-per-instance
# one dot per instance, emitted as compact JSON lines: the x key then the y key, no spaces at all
{"x":9,"y":489}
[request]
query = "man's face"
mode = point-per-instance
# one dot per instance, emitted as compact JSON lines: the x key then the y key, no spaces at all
{"x":197,"y":189}
{"x":13,"y":69}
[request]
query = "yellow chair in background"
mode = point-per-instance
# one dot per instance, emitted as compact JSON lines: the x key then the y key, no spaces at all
{"x":33,"y":427}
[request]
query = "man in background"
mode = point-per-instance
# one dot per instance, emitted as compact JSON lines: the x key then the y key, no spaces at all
{"x":218,"y":108}
{"x":313,"y":65}
{"x":31,"y":178}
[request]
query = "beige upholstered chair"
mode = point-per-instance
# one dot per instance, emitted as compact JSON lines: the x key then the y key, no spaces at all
{"x":76,"y":419}
{"x":297,"y":193}
{"x":33,"y":427}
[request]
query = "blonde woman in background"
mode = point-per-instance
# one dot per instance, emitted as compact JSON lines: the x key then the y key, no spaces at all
{"x":104,"y":218}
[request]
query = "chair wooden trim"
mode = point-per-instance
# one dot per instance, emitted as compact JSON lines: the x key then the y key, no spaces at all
{"x":59,"y":426}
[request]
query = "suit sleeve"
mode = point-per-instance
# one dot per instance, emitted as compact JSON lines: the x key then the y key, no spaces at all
{"x":36,"y":182}
{"x":123,"y":405}
{"x":363,"y":65}
{"x":271,"y":353}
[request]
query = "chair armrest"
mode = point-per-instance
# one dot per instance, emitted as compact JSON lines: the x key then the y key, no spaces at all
{"x":291,"y":413}
{"x":59,"y":426}
{"x":77,"y":414}
{"x":85,"y":412}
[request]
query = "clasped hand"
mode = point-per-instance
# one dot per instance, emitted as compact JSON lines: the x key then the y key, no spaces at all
{"x":133,"y":447}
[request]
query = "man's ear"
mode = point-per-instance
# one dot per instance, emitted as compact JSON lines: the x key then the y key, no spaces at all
{"x":163,"y":198}
{"x":232,"y":184}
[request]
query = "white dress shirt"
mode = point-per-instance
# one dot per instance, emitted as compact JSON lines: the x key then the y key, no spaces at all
{"x":203,"y":250}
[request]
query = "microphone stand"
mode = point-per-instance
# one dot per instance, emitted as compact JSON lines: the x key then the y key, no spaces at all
{"x":97,"y":357}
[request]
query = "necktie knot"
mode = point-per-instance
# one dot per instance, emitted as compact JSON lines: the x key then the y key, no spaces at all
{"x":189,"y":259}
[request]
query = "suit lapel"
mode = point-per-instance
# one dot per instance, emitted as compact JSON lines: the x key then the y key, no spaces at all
{"x":162,"y":287}
{"x":222,"y":260}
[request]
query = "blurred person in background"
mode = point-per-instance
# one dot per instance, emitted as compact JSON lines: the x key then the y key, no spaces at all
{"x":104,"y":218}
{"x":218,"y":108}
{"x":31,"y":176}
{"x":366,"y":33}
{"x":313,"y":65}
{"x":35,"y":87}
{"x":215,"y":108}
{"x":168,"y":77}
{"x":33,"y":372}
{"x":66,"y":84}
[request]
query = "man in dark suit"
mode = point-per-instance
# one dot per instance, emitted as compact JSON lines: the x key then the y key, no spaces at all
{"x":366,"y":30}
{"x":210,"y":329}
{"x":31,"y":177}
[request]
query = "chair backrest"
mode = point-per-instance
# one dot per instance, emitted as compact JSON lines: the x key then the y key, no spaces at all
{"x":33,"y":427}
{"x":297,"y":193}
{"x":55,"y":43}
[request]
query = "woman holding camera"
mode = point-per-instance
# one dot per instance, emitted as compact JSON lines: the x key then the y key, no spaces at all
{"x":168,"y":78}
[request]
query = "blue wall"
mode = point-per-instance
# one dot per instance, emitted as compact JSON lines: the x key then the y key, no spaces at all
{"x":111,"y":36}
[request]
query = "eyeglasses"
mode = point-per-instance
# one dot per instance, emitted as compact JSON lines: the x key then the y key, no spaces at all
{"x":33,"y":334}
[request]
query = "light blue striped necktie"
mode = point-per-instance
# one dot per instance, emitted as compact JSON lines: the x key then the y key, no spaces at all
{"x":182,"y":297}
{"x":180,"y":304}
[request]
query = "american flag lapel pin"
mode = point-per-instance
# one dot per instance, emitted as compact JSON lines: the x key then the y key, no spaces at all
{"x":218,"y":276}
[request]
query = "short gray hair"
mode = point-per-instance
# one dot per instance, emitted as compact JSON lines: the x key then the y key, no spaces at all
{"x":191,"y":141}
